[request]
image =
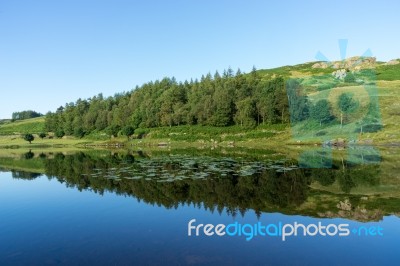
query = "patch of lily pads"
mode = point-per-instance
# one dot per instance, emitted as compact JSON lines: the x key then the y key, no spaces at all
{"x":180,"y":167}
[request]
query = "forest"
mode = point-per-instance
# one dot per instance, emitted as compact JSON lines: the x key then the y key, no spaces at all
{"x":220,"y":100}
{"x":24,"y":115}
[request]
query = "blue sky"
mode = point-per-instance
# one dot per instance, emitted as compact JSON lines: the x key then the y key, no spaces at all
{"x":53,"y":52}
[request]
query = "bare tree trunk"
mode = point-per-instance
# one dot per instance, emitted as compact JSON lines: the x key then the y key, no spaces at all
{"x":341,"y":120}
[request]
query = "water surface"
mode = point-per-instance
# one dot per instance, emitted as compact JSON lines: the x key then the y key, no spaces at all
{"x":133,"y":207}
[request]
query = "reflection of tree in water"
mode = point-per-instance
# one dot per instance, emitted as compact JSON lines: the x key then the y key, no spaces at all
{"x":28,"y":155}
{"x":346,"y":182}
{"x":231,"y":192}
{"x":348,"y":177}
{"x":237,"y":186}
{"x":24,"y":175}
{"x":325,"y":177}
{"x":351,"y":176}
{"x":285,"y":189}
{"x":264,"y":190}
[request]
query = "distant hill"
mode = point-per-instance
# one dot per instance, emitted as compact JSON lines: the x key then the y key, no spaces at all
{"x":384,"y":70}
{"x":33,"y":125}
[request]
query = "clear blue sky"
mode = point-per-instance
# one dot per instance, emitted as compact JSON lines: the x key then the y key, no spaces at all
{"x":53,"y":52}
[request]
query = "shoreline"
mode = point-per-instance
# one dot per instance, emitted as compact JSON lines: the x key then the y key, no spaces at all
{"x":167,"y":143}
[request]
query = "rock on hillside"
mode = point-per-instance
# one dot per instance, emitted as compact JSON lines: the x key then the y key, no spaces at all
{"x":339,"y":74}
{"x":352,"y":63}
{"x":320,"y":65}
{"x":392,"y":62}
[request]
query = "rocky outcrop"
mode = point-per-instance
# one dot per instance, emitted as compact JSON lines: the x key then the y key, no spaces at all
{"x":320,"y":65}
{"x":339,"y":74}
{"x":352,"y":63}
{"x":392,"y":62}
{"x":358,"y":213}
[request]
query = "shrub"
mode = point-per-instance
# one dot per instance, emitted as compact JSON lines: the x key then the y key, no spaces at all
{"x":349,"y":78}
{"x":42,"y":135}
{"x":370,"y":128}
{"x":59,"y":133}
{"x":320,"y":133}
{"x":78,"y":132}
{"x":128,"y":131}
{"x":113,"y":130}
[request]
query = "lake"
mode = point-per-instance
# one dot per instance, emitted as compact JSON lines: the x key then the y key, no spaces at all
{"x":138,"y":207}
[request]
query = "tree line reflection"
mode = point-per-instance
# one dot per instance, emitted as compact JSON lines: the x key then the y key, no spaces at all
{"x":216,"y":184}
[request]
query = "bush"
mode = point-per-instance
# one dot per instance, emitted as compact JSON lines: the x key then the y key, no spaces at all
{"x":349,"y":78}
{"x":113,"y":130}
{"x":320,"y":133}
{"x":141,"y":132}
{"x":78,"y":132}
{"x":370,"y":128}
{"x":42,"y":135}
{"x":59,"y":133}
{"x":128,"y":131}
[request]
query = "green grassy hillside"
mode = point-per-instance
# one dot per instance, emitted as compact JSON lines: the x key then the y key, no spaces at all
{"x":33,"y":125}
{"x":317,"y":83}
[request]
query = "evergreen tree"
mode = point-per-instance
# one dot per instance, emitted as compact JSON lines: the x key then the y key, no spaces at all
{"x":298,"y":103}
{"x":321,"y":111}
{"x":346,"y":105}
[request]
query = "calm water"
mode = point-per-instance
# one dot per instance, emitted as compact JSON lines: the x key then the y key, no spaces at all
{"x":133,"y":208}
